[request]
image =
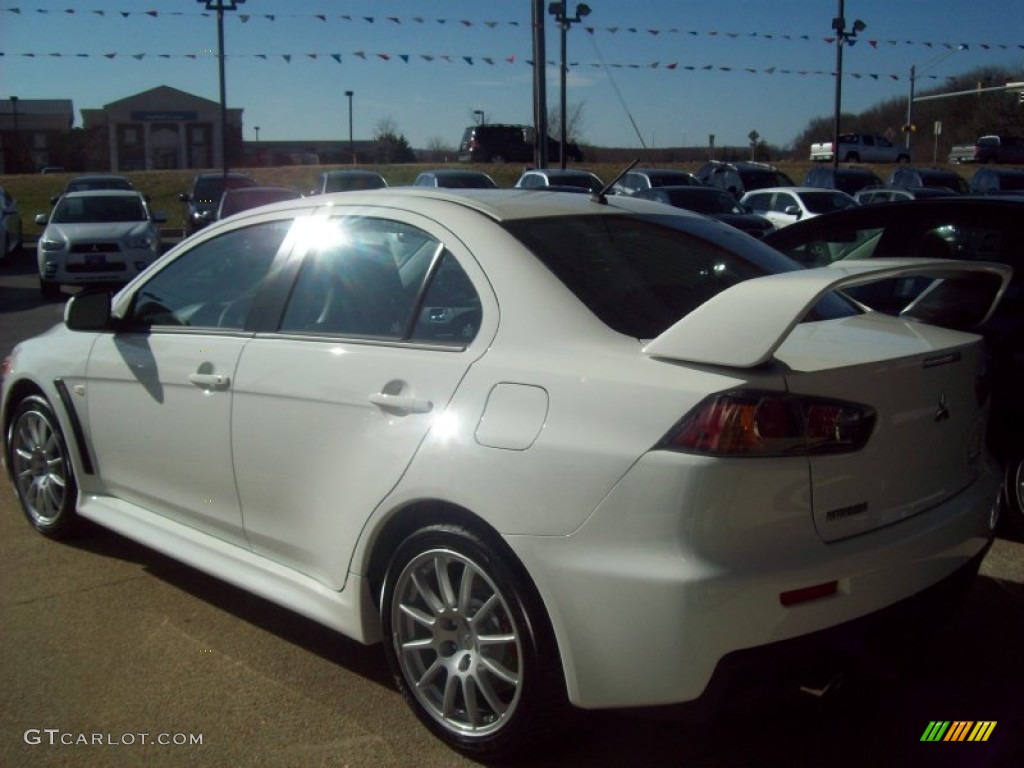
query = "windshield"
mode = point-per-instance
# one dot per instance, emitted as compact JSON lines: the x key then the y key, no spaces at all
{"x":85,"y":210}
{"x":641,"y":274}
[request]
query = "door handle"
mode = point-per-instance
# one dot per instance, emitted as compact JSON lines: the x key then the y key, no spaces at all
{"x":401,"y":403}
{"x":209,"y":380}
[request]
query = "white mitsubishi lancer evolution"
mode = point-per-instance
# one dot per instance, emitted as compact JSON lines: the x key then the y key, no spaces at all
{"x":549,"y":449}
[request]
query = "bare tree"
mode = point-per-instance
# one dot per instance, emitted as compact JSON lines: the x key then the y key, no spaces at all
{"x":574,"y":122}
{"x":438,"y":150}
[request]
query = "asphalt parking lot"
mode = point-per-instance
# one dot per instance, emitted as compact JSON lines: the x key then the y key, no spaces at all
{"x":113,"y":655}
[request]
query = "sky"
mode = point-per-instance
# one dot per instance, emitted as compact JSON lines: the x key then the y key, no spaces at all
{"x":649,"y":73}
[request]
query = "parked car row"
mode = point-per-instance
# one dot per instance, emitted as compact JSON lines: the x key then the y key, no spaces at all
{"x":759,"y":189}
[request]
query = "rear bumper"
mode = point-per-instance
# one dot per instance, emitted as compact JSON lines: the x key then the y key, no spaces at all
{"x":875,"y":644}
{"x":671,"y":584}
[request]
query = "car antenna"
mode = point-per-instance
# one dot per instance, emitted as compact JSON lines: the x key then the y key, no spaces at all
{"x":602,"y":196}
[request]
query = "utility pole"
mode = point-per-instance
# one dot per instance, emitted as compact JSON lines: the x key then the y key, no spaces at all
{"x":220,"y":6}
{"x":540,"y":94}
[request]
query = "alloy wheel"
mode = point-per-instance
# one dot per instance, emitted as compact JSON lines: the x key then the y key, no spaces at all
{"x":456,"y":643}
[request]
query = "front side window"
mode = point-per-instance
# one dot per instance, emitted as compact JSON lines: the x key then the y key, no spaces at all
{"x":213,"y":284}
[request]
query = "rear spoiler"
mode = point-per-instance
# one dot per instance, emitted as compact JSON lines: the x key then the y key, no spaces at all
{"x":744,"y":325}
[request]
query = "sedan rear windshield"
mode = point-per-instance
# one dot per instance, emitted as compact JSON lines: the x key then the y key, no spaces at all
{"x":641,"y":274}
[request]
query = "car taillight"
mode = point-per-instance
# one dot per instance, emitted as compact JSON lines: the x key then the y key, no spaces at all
{"x":756,"y":423}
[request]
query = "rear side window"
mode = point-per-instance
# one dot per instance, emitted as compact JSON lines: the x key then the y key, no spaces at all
{"x":640,"y":275}
{"x":382,"y":279}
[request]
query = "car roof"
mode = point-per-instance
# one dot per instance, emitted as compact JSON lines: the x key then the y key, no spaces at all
{"x":351,"y":172}
{"x":561,"y":172}
{"x":498,"y":204}
{"x":105,"y":193}
{"x":795,"y":190}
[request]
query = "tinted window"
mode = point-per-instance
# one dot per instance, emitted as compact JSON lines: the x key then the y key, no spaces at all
{"x":640,"y":275}
{"x":213,"y":284}
{"x":367,"y":278}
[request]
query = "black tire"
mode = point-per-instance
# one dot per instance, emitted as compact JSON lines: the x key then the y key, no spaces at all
{"x":1014,"y":492}
{"x":41,"y":466}
{"x":469,"y":646}
{"x":852,"y":157}
{"x":497,"y":158}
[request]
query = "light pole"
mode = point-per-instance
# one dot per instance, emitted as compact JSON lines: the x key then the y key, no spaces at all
{"x":558,"y":10}
{"x":257,"y":129}
{"x":17,"y":136}
{"x":351,"y":144}
{"x":908,"y":126}
{"x":220,"y":6}
{"x":842,"y":38}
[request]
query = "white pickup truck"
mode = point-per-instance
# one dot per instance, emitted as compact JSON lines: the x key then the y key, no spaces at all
{"x":860,"y":148}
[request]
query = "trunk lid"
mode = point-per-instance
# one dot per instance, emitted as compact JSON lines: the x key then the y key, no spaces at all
{"x":926,"y":385}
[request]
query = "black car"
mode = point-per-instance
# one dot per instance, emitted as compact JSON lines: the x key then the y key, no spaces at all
{"x":713,"y":202}
{"x":203,"y":197}
{"x":929,"y":177}
{"x":740,"y":178}
{"x":849,"y":180}
{"x":502,"y":143}
{"x":967,"y":228}
{"x":997,"y":181}
{"x":237,"y":199}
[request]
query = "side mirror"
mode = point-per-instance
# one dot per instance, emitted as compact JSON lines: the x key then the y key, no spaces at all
{"x":793,"y":210}
{"x":42,"y":219}
{"x":185,"y":197}
{"x":88,"y":311}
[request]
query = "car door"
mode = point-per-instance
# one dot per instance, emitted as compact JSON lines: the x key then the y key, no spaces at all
{"x":330,"y":409}
{"x":159,"y":391}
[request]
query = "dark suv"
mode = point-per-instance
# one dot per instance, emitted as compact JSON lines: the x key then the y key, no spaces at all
{"x":203,"y":198}
{"x":497,"y":143}
{"x":739,"y":178}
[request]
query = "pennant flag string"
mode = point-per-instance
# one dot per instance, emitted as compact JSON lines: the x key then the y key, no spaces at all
{"x":407,"y":58}
{"x":321,"y":17}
